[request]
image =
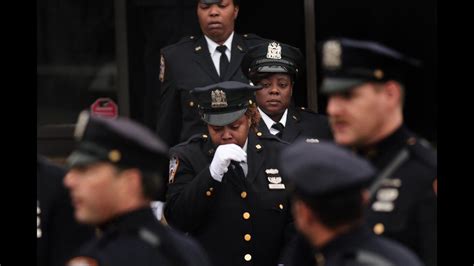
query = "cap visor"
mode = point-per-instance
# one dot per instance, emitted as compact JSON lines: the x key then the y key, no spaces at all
{"x":224,"y":118}
{"x":332,"y":85}
{"x":272,"y":69}
{"x":78,"y":158}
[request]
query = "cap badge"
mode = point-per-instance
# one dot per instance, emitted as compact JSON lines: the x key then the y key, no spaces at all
{"x":81,"y":125}
{"x":332,"y":54}
{"x":274,"y":51}
{"x":219,"y":99}
{"x":312,"y":140}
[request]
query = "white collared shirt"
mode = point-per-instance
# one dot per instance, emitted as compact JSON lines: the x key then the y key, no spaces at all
{"x":269,"y":122}
{"x":216,"y":55}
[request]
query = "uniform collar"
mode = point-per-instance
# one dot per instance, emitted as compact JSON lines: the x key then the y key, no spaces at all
{"x":134,"y":219}
{"x":393,"y":142}
{"x":212,"y":45}
{"x":349,"y":239}
{"x":269,"y":122}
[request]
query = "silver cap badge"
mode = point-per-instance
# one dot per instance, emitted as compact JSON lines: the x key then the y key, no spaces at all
{"x":332,"y":54}
{"x":219,"y":99}
{"x":274,"y":51}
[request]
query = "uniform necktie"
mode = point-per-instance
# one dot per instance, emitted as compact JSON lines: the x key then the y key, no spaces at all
{"x":224,"y":61}
{"x":279,"y":126}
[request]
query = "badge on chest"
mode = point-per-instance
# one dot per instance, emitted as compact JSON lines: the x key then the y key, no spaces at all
{"x":274,"y":179}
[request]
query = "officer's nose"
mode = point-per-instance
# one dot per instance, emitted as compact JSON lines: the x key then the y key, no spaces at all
{"x":214,"y":10}
{"x":70,"y":179}
{"x":226,"y":135}
{"x":274,"y":89}
{"x":334,"y":106}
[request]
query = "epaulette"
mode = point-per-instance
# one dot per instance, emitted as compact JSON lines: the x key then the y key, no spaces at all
{"x":365,"y":257}
{"x":260,"y":135}
{"x":422,"y":150}
{"x":308,"y":110}
{"x":183,"y":40}
{"x":252,"y":36}
{"x":194,"y":138}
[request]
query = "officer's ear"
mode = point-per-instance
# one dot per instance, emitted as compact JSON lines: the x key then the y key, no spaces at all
{"x":392,"y":89}
{"x":236,"y":12}
{"x":132,"y":180}
{"x":365,"y":197}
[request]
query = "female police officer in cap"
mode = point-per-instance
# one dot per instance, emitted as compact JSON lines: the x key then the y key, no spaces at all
{"x":225,"y":189}
{"x":276,"y":66}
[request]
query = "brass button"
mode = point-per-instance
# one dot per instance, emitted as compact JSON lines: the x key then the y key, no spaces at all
{"x":247,"y":237}
{"x":115,"y":156}
{"x":259,"y":134}
{"x":258,"y":146}
{"x":191,"y":103}
{"x":211,"y":189}
{"x":379,"y":229}
{"x":250,"y":102}
{"x":246,"y":215}
{"x":281,"y":206}
{"x":243,"y":194}
{"x":204,"y":136}
{"x":208,"y":193}
{"x":248,"y":257}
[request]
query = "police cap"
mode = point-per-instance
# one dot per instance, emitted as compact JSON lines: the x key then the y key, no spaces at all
{"x":120,"y":141}
{"x":347,"y":63}
{"x":271,"y":57}
{"x":222,"y":103}
{"x":320,"y":169}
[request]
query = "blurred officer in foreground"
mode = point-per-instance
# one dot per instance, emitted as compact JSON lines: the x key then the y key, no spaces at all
{"x":198,"y":61}
{"x":225,"y":188}
{"x":58,"y":234}
{"x":329,"y":198}
{"x":365,"y":83}
{"x":113,"y":177}
{"x":276,"y":66}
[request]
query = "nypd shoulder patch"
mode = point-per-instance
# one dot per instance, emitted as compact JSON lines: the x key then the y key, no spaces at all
{"x":174,"y":163}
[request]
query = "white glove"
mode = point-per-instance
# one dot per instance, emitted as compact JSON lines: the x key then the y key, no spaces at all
{"x":223,"y":156}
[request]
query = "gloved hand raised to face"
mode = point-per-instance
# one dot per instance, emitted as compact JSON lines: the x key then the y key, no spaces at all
{"x":223,"y":156}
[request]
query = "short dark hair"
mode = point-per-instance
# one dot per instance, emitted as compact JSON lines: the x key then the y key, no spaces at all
{"x":339,"y":208}
{"x":153,"y":184}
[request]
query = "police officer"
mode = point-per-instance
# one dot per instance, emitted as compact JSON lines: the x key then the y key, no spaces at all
{"x":225,"y":188}
{"x":365,"y":82}
{"x":112,"y":179}
{"x":329,"y":195}
{"x":58,"y":234}
{"x":276,"y":66}
{"x":198,"y":61}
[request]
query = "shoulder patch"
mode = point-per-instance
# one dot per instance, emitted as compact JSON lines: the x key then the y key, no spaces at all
{"x":173,"y":168}
{"x":162,"y":68}
{"x":82,"y":261}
